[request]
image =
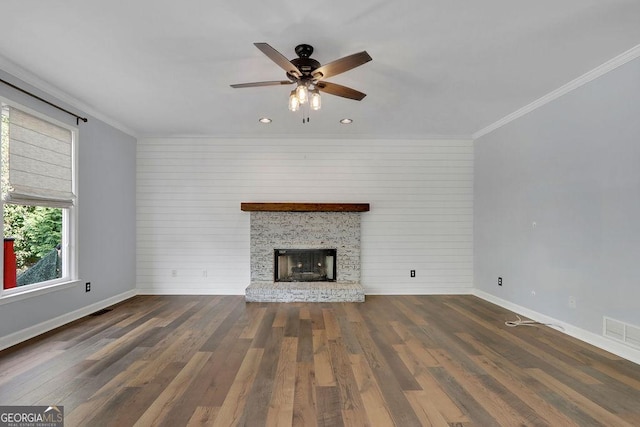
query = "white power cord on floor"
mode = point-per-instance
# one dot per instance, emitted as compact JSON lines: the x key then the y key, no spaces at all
{"x":520,"y":322}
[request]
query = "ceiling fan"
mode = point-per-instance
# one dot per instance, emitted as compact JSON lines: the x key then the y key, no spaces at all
{"x":309,"y":75}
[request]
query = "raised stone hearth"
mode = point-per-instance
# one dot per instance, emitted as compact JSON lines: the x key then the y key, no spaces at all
{"x":299,"y":226}
{"x":304,"y":292}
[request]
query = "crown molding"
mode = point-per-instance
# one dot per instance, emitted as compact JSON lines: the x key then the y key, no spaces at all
{"x":29,"y":78}
{"x":599,"y":71}
{"x":298,"y":136}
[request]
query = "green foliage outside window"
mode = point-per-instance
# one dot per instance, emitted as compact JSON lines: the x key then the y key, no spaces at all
{"x":37,"y":231}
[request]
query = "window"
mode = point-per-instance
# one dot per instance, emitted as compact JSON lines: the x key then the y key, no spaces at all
{"x":38,"y":199}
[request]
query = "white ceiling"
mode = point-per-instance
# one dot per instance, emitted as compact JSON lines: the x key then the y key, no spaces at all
{"x":441,"y":68}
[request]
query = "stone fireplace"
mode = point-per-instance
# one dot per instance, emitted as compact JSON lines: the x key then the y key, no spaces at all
{"x":290,"y":232}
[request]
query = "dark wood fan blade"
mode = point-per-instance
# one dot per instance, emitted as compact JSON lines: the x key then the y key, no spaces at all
{"x":339,"y":90}
{"x":256,"y":84}
{"x":279,"y":59}
{"x":341,"y":65}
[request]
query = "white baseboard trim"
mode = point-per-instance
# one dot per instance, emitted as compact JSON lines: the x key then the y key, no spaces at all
{"x":41,"y":328}
{"x":189,"y":291}
{"x":583,"y":335}
{"x":420,"y":291}
{"x":368,"y":291}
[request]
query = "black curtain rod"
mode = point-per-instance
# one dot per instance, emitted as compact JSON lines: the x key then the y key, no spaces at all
{"x":78,"y":118}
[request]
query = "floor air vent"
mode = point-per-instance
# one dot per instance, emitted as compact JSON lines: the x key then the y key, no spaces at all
{"x":621,"y":331}
{"x":100,"y":312}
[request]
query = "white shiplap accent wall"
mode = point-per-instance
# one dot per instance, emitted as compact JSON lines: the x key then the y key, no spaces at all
{"x":189,"y":220}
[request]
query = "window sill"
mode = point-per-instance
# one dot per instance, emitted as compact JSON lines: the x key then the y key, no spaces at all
{"x":18,"y":296}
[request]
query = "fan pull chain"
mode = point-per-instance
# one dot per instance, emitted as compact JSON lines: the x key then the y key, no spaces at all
{"x":304,"y":119}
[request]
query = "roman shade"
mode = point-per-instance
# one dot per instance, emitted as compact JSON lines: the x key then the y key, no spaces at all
{"x":37,"y":161}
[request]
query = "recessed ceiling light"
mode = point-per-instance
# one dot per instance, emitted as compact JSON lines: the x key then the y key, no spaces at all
{"x":346,"y":121}
{"x":265,"y":120}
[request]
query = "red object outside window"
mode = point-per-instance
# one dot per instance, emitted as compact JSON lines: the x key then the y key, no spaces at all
{"x":9,"y":264}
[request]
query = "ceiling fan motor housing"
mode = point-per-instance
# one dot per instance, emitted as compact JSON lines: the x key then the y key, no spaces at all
{"x":306,"y":65}
{"x":304,"y":62}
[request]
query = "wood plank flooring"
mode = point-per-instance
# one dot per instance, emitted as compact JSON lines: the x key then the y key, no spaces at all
{"x":391,"y":361}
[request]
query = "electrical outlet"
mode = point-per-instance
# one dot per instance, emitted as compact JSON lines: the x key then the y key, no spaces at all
{"x":87,"y":287}
{"x":413,"y":273}
{"x":572,"y":302}
{"x":499,"y":281}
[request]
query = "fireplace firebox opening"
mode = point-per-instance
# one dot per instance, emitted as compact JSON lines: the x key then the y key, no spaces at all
{"x":304,"y":265}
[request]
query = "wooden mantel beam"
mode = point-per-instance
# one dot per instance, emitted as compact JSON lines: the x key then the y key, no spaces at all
{"x":304,"y":207}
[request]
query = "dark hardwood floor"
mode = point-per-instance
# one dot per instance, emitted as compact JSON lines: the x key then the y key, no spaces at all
{"x":393,"y":360}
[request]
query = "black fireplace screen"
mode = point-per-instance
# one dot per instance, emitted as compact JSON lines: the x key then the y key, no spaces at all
{"x":305,"y":265}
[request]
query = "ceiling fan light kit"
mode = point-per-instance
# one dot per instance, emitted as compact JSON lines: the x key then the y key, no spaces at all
{"x":309,"y":75}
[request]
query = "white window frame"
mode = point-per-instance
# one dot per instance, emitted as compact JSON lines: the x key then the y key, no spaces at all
{"x":69,"y":224}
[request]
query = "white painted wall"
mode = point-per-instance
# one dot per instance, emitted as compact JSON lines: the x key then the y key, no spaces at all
{"x":573,"y":168}
{"x":189,"y":192}
{"x":106,"y":229}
